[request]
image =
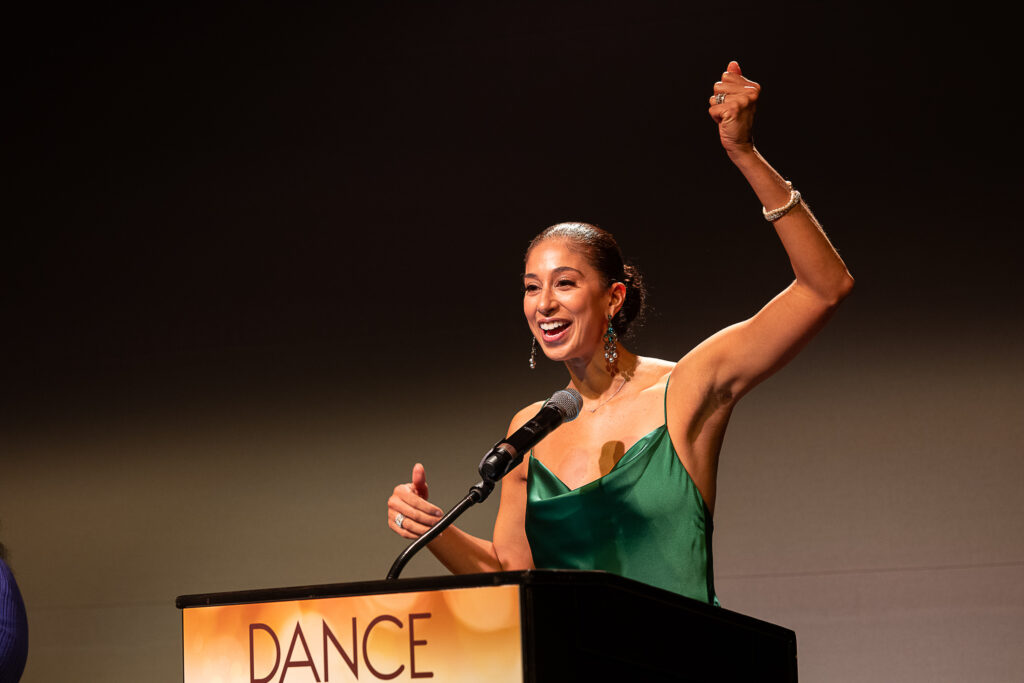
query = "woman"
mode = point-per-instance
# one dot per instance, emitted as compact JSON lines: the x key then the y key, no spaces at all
{"x":629,"y":486}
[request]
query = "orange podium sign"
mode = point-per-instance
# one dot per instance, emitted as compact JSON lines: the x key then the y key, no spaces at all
{"x":458,"y":634}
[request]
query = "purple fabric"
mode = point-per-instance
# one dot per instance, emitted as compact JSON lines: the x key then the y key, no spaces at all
{"x":13,"y":628}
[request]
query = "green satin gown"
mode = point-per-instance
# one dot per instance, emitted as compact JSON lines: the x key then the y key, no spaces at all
{"x":644,"y":520}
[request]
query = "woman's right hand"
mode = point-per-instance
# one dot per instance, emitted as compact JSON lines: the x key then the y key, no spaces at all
{"x":410,"y":500}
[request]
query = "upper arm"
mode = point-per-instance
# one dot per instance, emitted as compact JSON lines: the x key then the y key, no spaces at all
{"x":744,"y":354}
{"x":510,"y":543}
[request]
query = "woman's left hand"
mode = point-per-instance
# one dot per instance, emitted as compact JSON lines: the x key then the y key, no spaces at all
{"x":732,"y":108}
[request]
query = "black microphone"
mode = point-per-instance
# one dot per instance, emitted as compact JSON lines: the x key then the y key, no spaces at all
{"x":563,"y":406}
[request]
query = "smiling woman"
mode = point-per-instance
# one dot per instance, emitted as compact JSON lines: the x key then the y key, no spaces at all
{"x":591,"y":252}
{"x":630,"y":485}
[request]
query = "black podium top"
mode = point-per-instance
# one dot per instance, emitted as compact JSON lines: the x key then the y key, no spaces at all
{"x":533,"y":577}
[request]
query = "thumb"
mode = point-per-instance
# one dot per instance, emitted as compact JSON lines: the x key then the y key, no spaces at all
{"x":419,"y":480}
{"x":734,"y":68}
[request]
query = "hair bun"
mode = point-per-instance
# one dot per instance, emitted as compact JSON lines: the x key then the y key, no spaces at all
{"x":633,"y":307}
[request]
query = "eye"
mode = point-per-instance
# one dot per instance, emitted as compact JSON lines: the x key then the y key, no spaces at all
{"x":566,"y":282}
{"x":530,"y":287}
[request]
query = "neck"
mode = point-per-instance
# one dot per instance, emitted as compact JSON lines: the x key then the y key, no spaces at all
{"x":591,"y":377}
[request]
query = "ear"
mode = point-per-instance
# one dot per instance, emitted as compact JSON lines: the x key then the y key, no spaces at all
{"x":617,"y":297}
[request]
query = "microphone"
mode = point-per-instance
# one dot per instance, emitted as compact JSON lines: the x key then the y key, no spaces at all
{"x":563,"y":406}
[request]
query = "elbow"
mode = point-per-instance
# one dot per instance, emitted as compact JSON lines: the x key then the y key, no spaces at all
{"x":842,"y":288}
{"x":833,"y":294}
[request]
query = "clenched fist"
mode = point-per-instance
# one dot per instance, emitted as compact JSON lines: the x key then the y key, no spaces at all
{"x":732,"y":108}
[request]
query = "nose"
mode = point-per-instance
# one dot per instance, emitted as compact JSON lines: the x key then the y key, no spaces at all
{"x":546,"y":304}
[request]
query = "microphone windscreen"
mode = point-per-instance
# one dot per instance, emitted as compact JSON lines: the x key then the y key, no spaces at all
{"x":568,"y":402}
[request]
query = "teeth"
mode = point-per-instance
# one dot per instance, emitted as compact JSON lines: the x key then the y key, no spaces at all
{"x":547,"y":327}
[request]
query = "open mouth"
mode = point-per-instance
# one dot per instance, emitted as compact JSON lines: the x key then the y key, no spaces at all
{"x":554,"y":330}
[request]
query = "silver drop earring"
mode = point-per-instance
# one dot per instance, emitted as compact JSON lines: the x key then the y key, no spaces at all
{"x":533,"y":353}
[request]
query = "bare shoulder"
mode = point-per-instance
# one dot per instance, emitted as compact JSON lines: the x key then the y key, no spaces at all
{"x":654,"y":367}
{"x":518,"y":475}
{"x":652,"y":373}
{"x":649,"y":383}
{"x":524,"y":416}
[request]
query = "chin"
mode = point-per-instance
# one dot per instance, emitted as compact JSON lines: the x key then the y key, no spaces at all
{"x":554,"y":355}
{"x":561,"y":354}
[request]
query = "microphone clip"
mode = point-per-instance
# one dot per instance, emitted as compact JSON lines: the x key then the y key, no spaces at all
{"x":499,"y":461}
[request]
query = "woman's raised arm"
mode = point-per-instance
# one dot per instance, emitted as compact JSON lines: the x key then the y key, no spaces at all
{"x":742,"y":355}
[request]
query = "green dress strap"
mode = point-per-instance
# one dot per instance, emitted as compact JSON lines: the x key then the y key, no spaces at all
{"x":645,"y":520}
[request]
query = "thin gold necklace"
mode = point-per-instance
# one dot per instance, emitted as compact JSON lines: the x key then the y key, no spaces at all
{"x":616,"y":393}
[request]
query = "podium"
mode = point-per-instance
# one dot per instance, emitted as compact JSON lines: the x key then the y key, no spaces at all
{"x":539,"y":625}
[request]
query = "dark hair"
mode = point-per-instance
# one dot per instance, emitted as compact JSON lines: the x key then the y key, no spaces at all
{"x":604,"y":255}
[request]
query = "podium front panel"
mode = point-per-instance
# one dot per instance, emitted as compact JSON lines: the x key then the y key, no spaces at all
{"x":460,"y":634}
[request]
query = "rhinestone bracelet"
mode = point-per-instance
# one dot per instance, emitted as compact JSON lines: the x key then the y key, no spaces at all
{"x":776,"y":214}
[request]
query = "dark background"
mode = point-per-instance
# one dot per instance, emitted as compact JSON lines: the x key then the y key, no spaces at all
{"x":259,"y":260}
{"x":250,"y":200}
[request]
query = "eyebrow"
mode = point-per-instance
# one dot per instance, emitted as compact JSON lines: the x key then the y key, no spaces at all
{"x":556,"y":270}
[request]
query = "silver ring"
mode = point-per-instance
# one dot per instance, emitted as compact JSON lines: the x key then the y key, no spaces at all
{"x":399,"y":518}
{"x":719,"y":98}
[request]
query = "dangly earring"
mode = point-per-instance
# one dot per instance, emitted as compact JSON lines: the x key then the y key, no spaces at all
{"x":533,"y":353}
{"x":611,"y":352}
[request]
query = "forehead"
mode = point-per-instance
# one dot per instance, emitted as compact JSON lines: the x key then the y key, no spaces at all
{"x":553,"y":254}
